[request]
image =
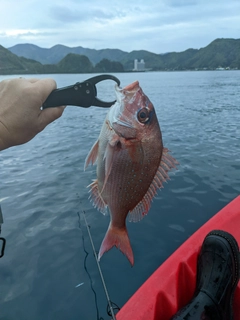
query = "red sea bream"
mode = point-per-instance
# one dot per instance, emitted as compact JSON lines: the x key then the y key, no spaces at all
{"x":131,"y":164}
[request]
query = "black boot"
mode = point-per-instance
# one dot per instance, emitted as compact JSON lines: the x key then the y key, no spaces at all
{"x":217,"y":279}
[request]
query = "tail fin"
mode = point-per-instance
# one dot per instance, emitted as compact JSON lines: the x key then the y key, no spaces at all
{"x":119,"y":238}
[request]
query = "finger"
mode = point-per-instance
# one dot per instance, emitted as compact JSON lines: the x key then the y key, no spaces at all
{"x":32,"y":80}
{"x":48,"y":115}
{"x":44,"y":87}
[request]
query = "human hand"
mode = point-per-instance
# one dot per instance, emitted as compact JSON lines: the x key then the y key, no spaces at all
{"x":21,"y":117}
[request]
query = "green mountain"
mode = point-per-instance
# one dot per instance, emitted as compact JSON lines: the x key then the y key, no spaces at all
{"x":75,"y":63}
{"x":58,"y":52}
{"x":106,"y":65}
{"x":223,"y":53}
{"x":10,"y":63}
{"x":71,"y":63}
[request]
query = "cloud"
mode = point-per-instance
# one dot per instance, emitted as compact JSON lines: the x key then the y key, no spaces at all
{"x":70,"y":15}
{"x":64,"y":14}
{"x":180,"y":3}
{"x":157,"y":26}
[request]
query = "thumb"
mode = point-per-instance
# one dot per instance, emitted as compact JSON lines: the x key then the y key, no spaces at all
{"x":48,"y":115}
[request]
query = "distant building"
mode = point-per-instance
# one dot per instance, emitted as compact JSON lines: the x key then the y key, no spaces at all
{"x":139,"y":65}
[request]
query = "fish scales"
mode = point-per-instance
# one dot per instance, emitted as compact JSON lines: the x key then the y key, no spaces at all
{"x":131,"y":164}
{"x":132,"y":182}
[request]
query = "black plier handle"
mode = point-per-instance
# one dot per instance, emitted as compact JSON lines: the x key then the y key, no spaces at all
{"x":82,"y":94}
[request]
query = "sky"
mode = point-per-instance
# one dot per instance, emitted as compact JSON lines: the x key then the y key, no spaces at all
{"x":158,"y":26}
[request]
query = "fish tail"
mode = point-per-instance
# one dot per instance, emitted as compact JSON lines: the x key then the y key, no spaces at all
{"x":118,"y":238}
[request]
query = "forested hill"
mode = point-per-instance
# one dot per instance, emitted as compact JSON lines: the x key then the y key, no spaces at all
{"x":72,"y":63}
{"x":28,"y":58}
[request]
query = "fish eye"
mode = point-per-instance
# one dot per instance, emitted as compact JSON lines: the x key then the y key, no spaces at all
{"x":143,"y":115}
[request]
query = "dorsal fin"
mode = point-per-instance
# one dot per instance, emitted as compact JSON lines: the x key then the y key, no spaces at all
{"x":167,"y":163}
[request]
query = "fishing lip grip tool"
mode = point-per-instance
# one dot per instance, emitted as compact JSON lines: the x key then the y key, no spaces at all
{"x":81,"y":94}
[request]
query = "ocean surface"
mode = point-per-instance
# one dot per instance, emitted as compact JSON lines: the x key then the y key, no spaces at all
{"x":48,"y":271}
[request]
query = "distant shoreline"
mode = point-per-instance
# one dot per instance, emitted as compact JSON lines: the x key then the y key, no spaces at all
{"x":136,"y":72}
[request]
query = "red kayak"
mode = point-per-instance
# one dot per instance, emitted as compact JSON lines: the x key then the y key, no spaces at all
{"x":172,"y":285}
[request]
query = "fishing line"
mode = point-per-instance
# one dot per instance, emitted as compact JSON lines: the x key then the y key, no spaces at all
{"x":86,"y":269}
{"x":111,"y":306}
{"x":99,"y":269}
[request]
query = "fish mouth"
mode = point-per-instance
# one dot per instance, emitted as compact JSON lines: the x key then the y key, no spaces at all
{"x":121,"y":115}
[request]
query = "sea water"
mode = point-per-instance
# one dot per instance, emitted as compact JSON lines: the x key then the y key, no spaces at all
{"x":48,"y":270}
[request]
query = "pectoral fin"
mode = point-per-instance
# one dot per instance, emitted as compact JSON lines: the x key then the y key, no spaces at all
{"x":92,"y":155}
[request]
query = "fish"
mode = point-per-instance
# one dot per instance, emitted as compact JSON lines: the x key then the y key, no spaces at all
{"x":132,"y":165}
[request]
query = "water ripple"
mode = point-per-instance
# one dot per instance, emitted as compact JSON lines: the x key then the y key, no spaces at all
{"x":43,"y":187}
